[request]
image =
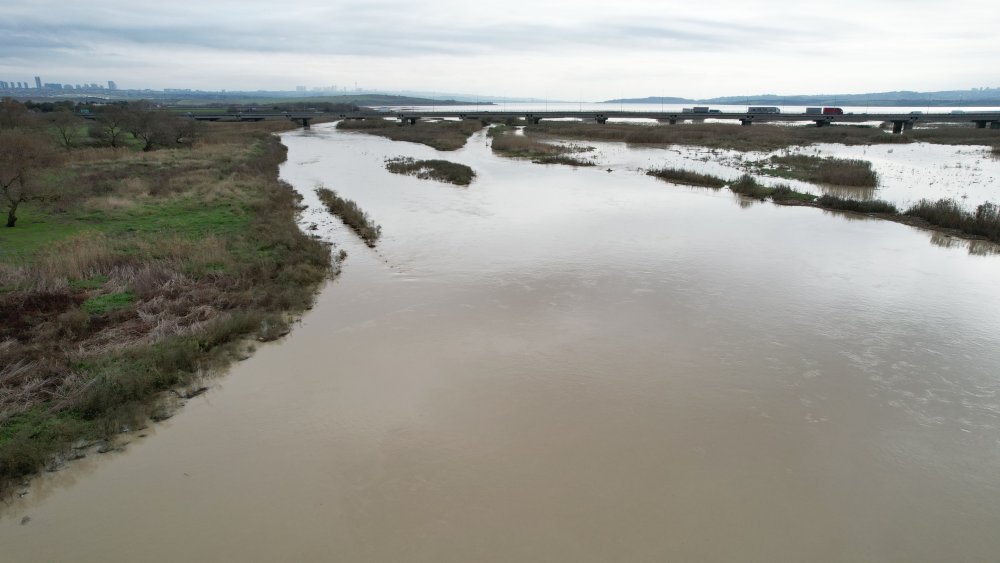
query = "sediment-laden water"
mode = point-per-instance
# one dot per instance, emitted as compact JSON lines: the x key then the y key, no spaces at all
{"x":560,"y":364}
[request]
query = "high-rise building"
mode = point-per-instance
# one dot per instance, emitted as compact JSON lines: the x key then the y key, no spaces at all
{"x":112,"y":85}
{"x":38,"y":82}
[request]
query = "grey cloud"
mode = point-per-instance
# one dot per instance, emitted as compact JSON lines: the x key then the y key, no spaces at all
{"x":367,"y":35}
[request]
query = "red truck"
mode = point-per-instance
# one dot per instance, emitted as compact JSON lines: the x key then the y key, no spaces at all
{"x":833,"y":111}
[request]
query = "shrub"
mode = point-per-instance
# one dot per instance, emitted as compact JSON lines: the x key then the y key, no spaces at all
{"x":984,"y":221}
{"x":828,"y":201}
{"x":785,"y":193}
{"x":747,"y":186}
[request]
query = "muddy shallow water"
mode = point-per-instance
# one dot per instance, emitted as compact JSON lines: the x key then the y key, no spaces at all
{"x":560,"y":364}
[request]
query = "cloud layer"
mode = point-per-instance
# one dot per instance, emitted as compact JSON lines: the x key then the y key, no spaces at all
{"x":585,"y":49}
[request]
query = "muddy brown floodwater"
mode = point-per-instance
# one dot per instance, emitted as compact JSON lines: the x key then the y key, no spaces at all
{"x":560,"y":364}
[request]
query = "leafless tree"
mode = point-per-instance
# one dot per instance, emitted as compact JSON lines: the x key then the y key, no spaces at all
{"x":23,"y":156}
{"x":110,"y":125}
{"x":67,"y":126}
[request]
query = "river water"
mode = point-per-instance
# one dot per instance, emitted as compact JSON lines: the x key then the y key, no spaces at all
{"x":560,"y":364}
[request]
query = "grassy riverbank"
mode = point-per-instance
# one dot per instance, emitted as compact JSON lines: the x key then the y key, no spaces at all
{"x":148,"y":271}
{"x":434,"y":169}
{"x":441,"y":135}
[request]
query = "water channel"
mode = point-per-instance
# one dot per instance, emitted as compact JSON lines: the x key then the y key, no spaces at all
{"x":574,"y":364}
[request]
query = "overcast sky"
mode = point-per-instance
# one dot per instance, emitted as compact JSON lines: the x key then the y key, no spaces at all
{"x":584,"y":49}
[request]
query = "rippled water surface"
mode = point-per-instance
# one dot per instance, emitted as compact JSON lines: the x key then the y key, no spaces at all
{"x":560,"y":364}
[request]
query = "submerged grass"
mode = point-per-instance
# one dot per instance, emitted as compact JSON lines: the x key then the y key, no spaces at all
{"x":835,"y":171}
{"x":746,"y":185}
{"x":441,"y":135}
{"x":351,"y":215}
{"x":440,"y":170}
{"x":760,"y":137}
{"x":146,"y":274}
{"x":507,"y":143}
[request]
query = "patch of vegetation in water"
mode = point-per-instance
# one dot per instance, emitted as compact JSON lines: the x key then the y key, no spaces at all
{"x":563,"y":159}
{"x":687,"y":177}
{"x":828,"y":170}
{"x":506,"y":142}
{"x":351,"y":215}
{"x":440,"y":170}
{"x":441,"y":135}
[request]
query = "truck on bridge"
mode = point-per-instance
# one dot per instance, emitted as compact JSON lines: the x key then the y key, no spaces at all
{"x":763,"y":109}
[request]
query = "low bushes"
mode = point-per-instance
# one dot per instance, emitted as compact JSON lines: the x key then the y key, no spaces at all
{"x":984,"y":221}
{"x":747,"y":186}
{"x":828,"y":201}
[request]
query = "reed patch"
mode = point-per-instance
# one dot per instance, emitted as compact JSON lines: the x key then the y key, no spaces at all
{"x":434,"y":169}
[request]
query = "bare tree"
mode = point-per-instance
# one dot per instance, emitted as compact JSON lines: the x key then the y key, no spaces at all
{"x":110,"y":125}
{"x":66,"y":125}
{"x":23,"y":156}
{"x":153,"y":128}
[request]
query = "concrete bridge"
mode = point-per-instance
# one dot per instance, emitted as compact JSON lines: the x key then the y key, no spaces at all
{"x":302,"y":118}
{"x":900,"y":121}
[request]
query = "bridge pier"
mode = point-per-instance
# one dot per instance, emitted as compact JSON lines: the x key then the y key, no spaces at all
{"x":981,"y":124}
{"x":600,"y":119}
{"x":995,"y":125}
{"x":746,"y":122}
{"x":822,"y":123}
{"x":897,"y":127}
{"x":409,"y":120}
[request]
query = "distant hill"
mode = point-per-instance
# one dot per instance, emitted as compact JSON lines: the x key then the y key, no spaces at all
{"x":973,"y":97}
{"x":651,"y":100}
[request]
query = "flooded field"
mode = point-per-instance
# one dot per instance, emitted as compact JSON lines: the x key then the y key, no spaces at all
{"x":907,"y":172}
{"x":560,"y":364}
